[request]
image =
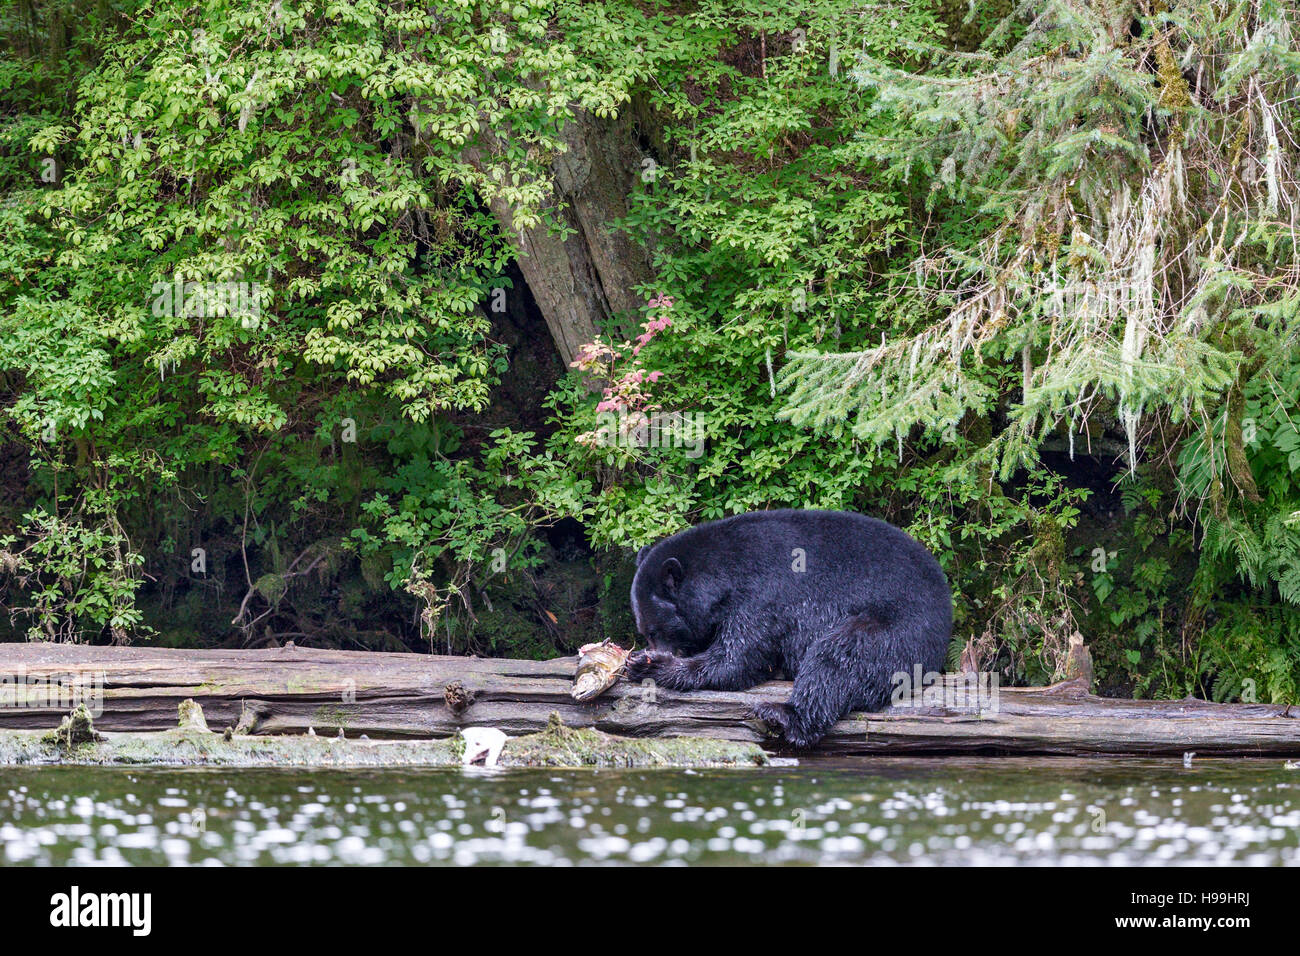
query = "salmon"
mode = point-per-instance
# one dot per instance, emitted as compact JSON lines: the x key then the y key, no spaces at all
{"x":599,"y":666}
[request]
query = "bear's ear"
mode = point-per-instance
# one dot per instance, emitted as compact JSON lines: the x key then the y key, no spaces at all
{"x":640,"y":555}
{"x":671,"y":575}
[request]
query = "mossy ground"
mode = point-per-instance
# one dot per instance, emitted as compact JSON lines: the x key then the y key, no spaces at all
{"x":188,"y":747}
{"x":560,"y":746}
{"x":556,"y":746}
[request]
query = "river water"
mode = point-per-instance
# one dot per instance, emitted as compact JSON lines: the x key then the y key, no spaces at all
{"x":914,"y":811}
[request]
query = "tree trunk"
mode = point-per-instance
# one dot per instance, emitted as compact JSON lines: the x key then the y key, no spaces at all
{"x":581,"y":281}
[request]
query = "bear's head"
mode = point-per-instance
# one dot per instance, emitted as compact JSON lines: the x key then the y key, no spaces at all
{"x":662,"y":605}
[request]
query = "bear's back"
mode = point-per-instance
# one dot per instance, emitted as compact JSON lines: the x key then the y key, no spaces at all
{"x":796,"y":554}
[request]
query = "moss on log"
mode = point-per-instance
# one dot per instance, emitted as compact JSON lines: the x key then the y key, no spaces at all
{"x":560,"y":746}
{"x":191,"y":748}
{"x":74,"y":730}
{"x":191,"y":744}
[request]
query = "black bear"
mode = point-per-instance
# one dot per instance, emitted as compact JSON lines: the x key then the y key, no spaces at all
{"x":837,"y":601}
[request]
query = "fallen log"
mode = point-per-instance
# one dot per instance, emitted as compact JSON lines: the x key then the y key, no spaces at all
{"x":385,"y":695}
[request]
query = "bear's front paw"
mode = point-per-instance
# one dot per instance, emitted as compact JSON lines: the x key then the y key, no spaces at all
{"x":652,"y":665}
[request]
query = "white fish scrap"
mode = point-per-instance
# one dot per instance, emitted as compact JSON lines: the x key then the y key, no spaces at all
{"x":484,"y":743}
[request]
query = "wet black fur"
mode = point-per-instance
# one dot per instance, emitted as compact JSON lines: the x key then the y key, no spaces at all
{"x":722,"y":607}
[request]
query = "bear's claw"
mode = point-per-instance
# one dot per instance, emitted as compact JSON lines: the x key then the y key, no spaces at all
{"x":647,"y":664}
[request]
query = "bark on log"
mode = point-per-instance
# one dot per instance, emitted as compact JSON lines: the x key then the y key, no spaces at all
{"x":287,"y":690}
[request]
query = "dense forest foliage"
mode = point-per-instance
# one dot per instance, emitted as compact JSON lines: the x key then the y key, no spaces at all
{"x":399,"y":325}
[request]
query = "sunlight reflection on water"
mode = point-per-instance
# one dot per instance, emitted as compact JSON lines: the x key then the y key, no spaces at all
{"x":880,"y":811}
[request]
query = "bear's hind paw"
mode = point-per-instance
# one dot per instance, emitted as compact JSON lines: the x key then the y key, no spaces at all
{"x":783,"y":722}
{"x":776,"y":717}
